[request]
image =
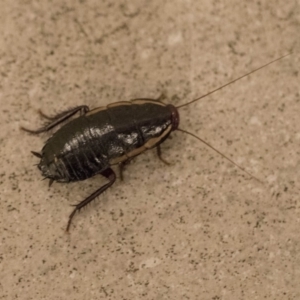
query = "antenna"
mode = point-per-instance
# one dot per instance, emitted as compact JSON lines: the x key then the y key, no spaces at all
{"x":217,"y":89}
{"x":224,"y":156}
{"x":231,"y":82}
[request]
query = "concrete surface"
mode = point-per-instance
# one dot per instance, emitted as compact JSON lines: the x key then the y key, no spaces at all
{"x":198,"y":229}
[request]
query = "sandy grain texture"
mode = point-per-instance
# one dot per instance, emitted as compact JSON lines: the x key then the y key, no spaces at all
{"x":198,"y":229}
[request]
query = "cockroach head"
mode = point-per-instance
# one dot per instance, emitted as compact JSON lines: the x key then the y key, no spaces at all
{"x":174,"y":116}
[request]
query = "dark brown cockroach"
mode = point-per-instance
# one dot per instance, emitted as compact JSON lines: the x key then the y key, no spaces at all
{"x":105,"y":136}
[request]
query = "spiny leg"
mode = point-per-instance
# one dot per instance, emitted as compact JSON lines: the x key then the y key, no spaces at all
{"x":82,"y":108}
{"x":111,"y":176}
{"x":61,"y":117}
{"x":158,"y":150}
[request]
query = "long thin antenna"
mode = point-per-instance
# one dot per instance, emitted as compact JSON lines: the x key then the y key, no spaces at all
{"x":210,"y":146}
{"x":231,"y":82}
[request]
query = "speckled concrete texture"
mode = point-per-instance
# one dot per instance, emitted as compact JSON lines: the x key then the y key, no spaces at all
{"x":198,"y":229}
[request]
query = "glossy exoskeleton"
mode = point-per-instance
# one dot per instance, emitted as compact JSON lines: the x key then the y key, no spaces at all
{"x":100,"y":138}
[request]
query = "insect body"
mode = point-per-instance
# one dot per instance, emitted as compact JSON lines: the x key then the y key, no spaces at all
{"x":106,"y":136}
{"x":99,"y":138}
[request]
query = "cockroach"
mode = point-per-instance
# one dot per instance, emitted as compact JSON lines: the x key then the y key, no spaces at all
{"x":111,"y":135}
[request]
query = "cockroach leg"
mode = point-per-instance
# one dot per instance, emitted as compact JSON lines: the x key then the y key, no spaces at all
{"x":158,"y":151}
{"x":50,"y":182}
{"x":111,"y":176}
{"x":69,"y":112}
{"x":122,"y":166}
{"x":37,"y":154}
{"x":60,"y":118}
{"x":46,"y":116}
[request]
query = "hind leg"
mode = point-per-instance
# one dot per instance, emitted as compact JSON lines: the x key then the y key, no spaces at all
{"x":58,"y":119}
{"x":111,"y":176}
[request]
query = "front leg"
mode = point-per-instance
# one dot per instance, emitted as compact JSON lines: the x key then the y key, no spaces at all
{"x":158,"y":151}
